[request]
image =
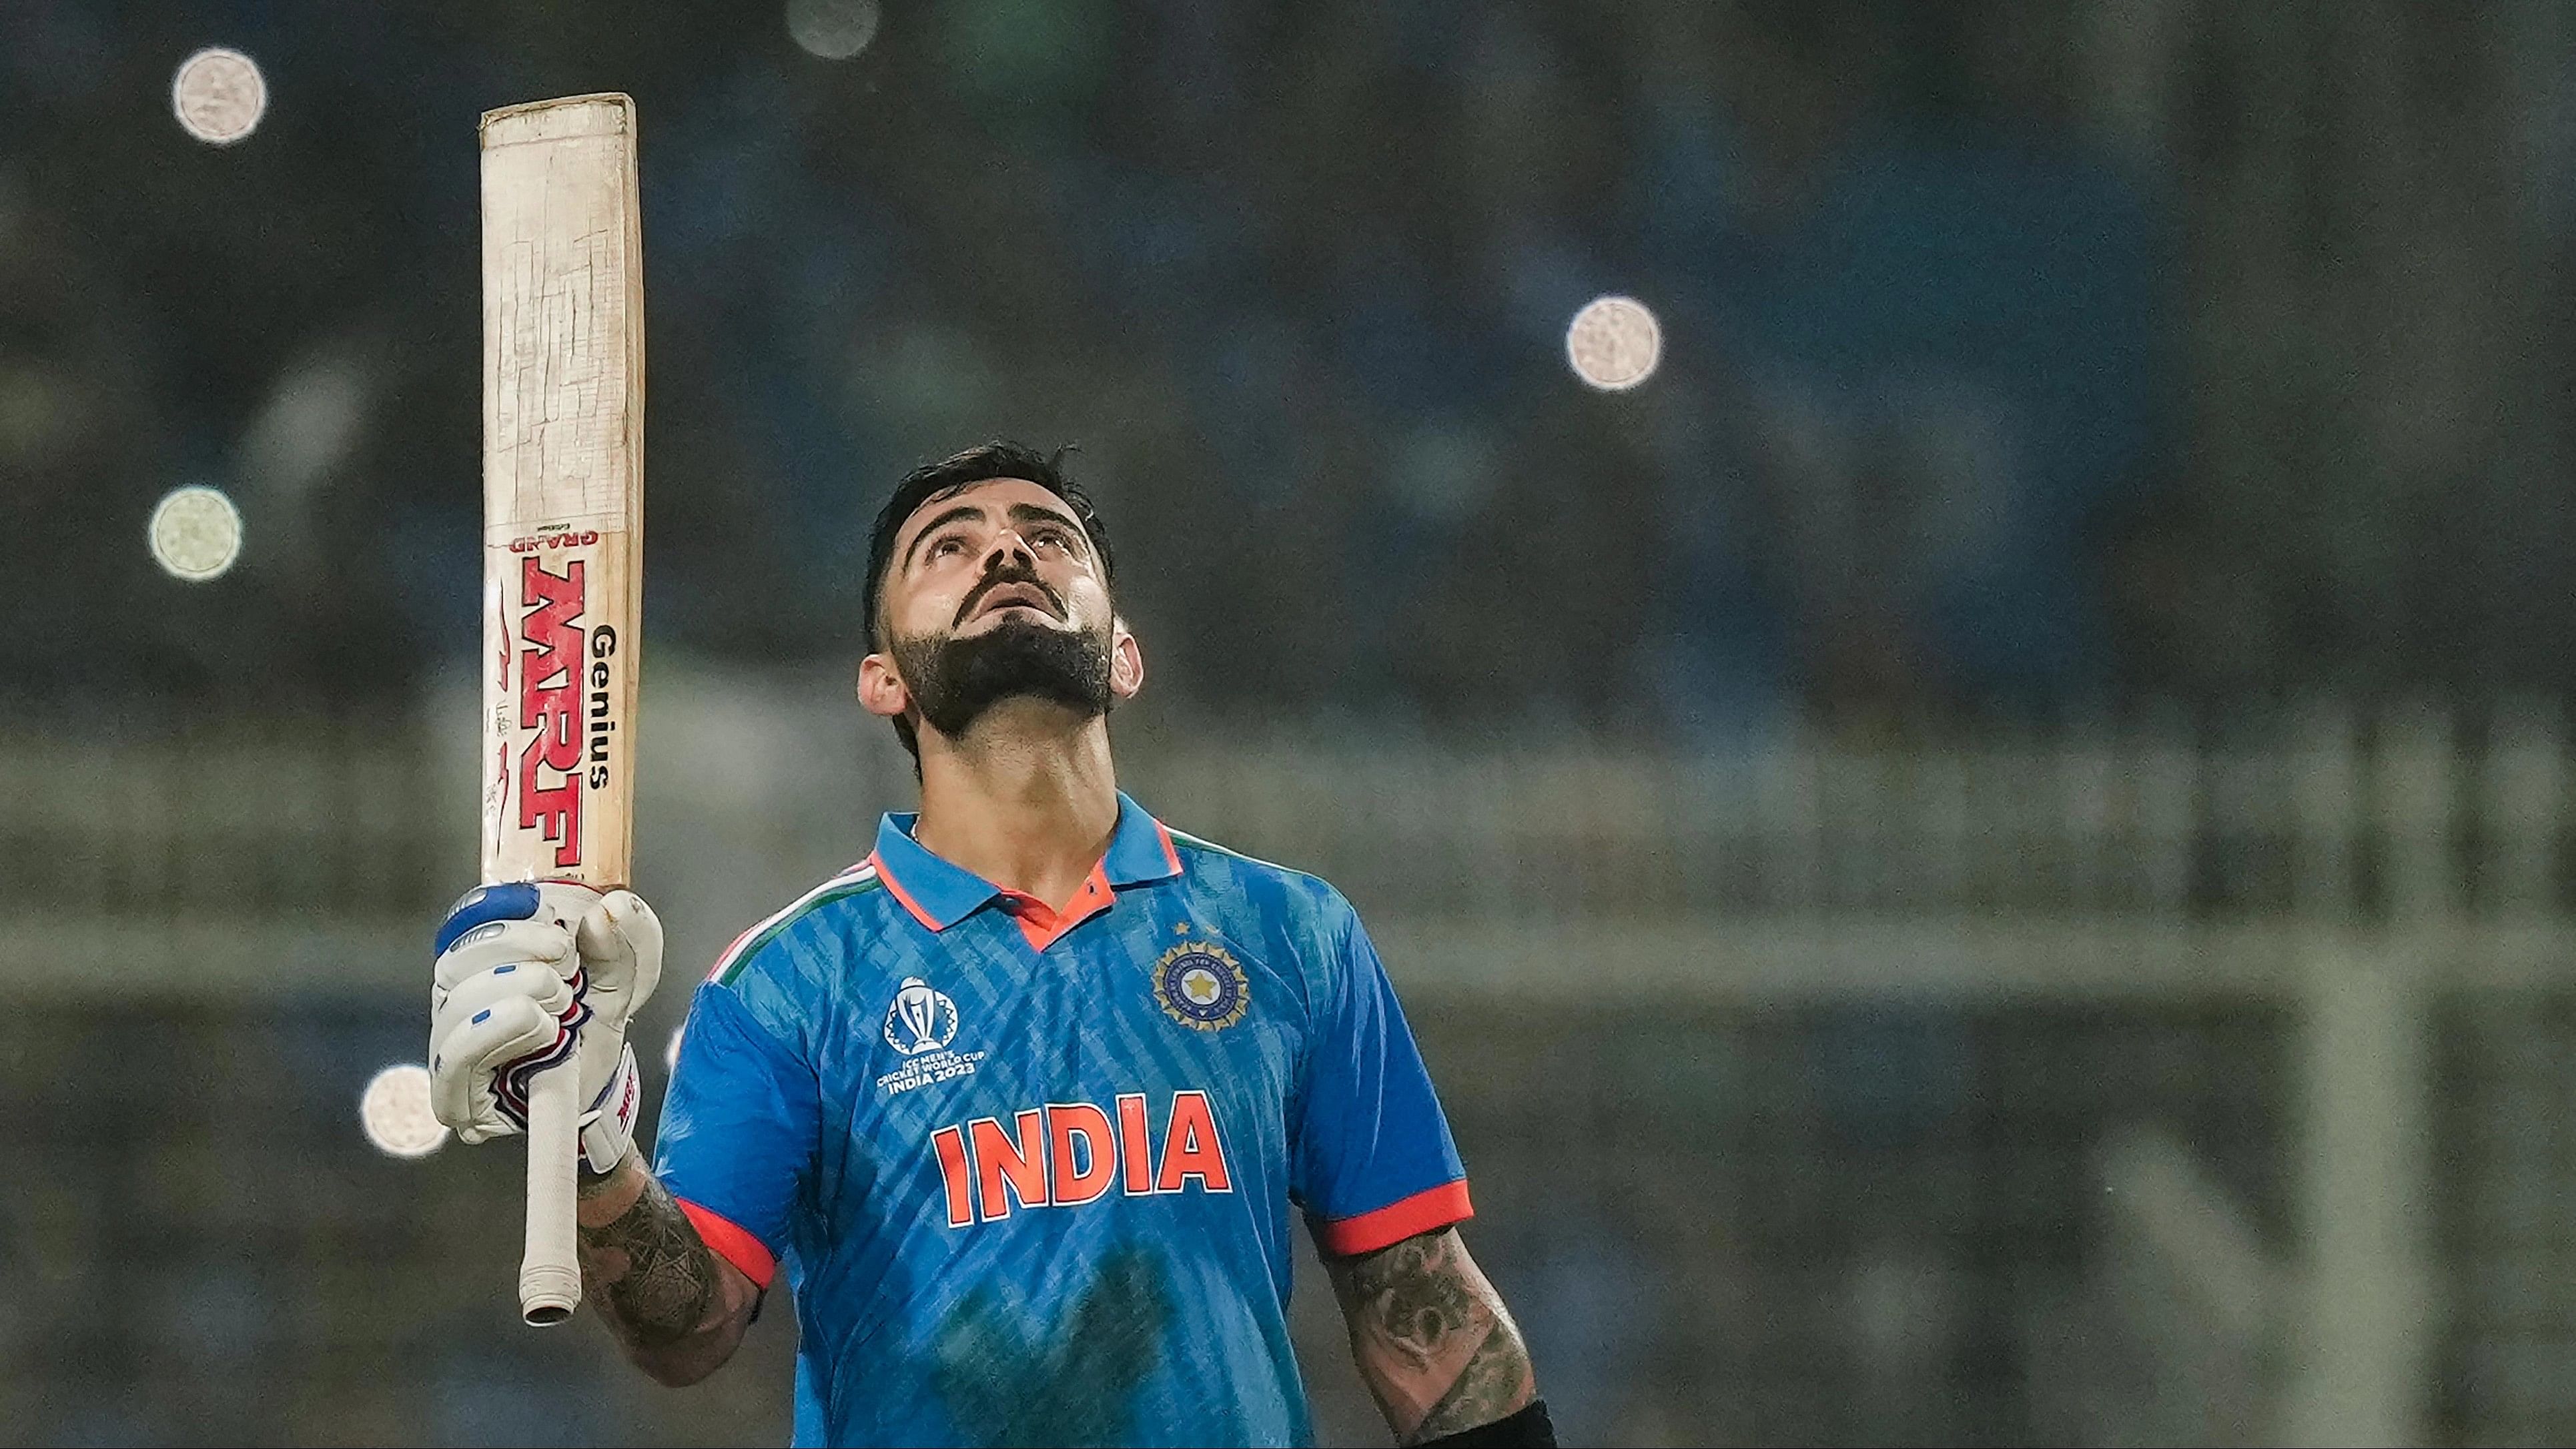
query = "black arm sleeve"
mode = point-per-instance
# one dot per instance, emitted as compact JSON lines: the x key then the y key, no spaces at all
{"x":1515,"y":1431}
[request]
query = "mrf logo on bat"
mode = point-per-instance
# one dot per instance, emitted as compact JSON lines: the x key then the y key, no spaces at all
{"x":569,"y":746}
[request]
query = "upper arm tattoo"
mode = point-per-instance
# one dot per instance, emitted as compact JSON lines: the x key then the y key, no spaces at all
{"x":1432,"y":1338}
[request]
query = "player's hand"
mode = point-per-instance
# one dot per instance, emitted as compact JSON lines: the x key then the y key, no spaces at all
{"x":530,"y":976}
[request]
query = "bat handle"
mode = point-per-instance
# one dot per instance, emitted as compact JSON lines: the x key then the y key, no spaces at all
{"x":550,"y":1274}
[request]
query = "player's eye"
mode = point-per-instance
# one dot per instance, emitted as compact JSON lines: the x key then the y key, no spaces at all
{"x":946,"y":544}
{"x":1053,"y":537}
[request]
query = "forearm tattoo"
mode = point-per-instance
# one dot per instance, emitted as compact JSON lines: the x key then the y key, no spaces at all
{"x":1495,"y":1384}
{"x":1432,"y":1339}
{"x":647,"y":1273}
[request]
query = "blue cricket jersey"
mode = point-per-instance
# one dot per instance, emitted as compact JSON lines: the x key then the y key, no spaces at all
{"x":1030,"y":1173}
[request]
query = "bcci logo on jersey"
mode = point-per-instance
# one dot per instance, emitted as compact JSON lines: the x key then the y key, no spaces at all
{"x":1200,"y":985}
{"x":920,"y":1024}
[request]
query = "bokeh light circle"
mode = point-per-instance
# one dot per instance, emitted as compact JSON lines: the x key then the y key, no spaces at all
{"x":832,"y":29}
{"x":1614,"y":343}
{"x":218,"y":96}
{"x":394,"y":1111}
{"x":195,"y":533}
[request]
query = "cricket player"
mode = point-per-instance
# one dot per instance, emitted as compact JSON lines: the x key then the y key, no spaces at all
{"x":1020,"y":1103}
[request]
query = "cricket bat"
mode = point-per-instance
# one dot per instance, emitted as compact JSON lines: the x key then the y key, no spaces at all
{"x":563,"y":556}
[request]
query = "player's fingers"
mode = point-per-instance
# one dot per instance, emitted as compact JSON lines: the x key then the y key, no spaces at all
{"x":479,"y":1044}
{"x":507,"y":943}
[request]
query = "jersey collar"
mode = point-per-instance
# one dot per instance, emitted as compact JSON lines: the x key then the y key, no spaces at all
{"x":939,"y":893}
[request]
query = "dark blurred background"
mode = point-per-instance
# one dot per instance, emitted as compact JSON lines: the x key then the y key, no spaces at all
{"x":2025,"y":358}
{"x":1981,"y":858}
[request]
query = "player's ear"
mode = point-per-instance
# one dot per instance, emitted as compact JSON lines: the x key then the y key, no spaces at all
{"x":1126,"y":661}
{"x":881,"y":690}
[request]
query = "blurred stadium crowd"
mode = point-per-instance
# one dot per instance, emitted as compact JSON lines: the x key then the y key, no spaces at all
{"x":1295,"y":279}
{"x":1966,"y":408}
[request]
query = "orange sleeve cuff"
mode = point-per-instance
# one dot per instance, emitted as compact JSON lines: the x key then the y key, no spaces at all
{"x":1395,"y":1222}
{"x":733,"y":1243}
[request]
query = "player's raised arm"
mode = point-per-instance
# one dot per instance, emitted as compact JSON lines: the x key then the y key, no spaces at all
{"x":1436,"y":1347}
{"x":677,"y":1308}
{"x":532,"y":975}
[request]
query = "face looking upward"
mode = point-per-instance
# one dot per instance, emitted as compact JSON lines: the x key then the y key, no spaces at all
{"x":995,"y":593}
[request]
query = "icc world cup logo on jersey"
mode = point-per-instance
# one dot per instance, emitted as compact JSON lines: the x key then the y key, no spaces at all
{"x":922,"y":1019}
{"x":1199,"y":984}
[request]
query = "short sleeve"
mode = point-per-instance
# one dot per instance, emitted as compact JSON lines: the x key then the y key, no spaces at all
{"x":1374,"y":1163}
{"x":737,"y":1133}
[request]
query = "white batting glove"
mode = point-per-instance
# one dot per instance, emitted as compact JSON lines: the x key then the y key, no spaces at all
{"x":530,"y":975}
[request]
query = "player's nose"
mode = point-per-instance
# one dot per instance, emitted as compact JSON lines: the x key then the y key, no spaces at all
{"x":1009,"y":550}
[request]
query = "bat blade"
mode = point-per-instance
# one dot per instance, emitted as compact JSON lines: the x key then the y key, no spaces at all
{"x":563,"y":540}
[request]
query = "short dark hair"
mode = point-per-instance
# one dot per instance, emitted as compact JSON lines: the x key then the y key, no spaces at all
{"x":954,"y":474}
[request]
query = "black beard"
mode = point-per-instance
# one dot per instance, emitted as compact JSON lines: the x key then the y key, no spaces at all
{"x":955,"y":680}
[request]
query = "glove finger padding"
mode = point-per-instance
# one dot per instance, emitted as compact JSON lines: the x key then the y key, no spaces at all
{"x":508,"y":943}
{"x":532,"y":981}
{"x":477,"y":1022}
{"x":463,"y":1077}
{"x":510,"y":1087}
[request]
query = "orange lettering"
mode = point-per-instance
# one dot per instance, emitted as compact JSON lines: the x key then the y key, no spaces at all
{"x":1136,"y":1147}
{"x":1021,"y":1164}
{"x":1191,"y":1148}
{"x":950,"y":1144}
{"x":1087,"y":1124}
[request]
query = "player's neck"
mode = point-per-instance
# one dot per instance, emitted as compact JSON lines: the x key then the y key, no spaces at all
{"x":1025,"y":802}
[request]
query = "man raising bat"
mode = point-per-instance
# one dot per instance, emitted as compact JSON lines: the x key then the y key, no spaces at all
{"x":1020,"y":1103}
